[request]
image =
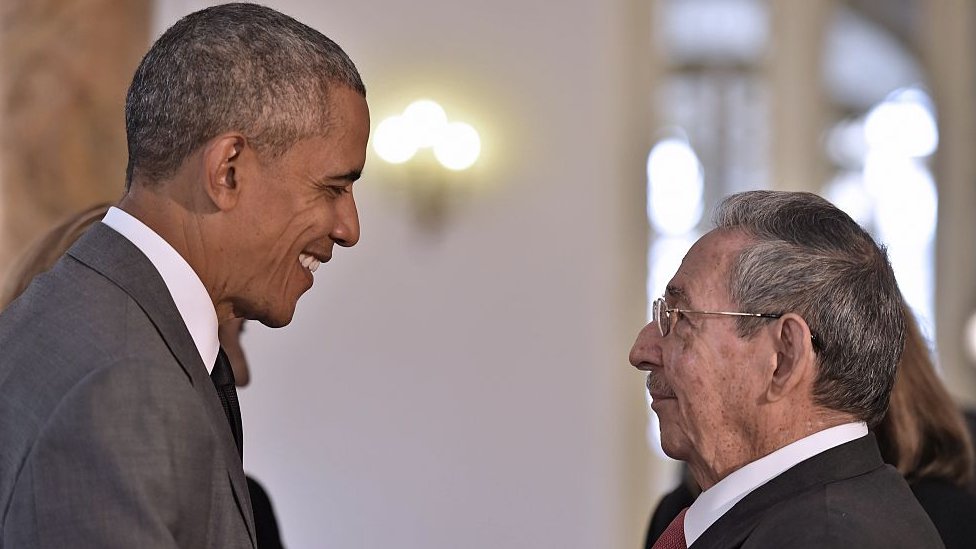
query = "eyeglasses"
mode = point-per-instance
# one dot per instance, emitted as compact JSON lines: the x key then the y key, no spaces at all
{"x":666,"y":318}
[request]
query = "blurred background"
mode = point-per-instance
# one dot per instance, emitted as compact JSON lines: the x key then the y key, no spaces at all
{"x":460,"y":378}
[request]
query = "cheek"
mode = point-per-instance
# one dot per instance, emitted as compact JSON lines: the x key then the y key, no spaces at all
{"x":698,"y":401}
{"x":689,"y":369}
{"x":701,"y":382}
{"x":295,"y":231}
{"x":312,"y":217}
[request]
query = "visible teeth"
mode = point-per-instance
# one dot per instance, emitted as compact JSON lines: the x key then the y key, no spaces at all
{"x":309,"y":262}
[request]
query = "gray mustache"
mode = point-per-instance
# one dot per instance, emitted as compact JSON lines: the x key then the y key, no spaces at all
{"x":657,"y":386}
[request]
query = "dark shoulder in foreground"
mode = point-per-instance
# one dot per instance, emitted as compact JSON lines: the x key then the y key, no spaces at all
{"x":952,"y":510}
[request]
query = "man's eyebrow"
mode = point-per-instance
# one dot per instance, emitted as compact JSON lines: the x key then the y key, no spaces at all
{"x":350,"y":176}
{"x":677,"y":294}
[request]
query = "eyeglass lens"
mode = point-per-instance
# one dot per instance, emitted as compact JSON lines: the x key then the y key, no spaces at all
{"x":661,"y":316}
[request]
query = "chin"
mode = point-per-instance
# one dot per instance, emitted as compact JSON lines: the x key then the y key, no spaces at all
{"x":675,"y":444}
{"x":674,"y":452}
{"x":277,"y":320}
{"x":272,"y":318}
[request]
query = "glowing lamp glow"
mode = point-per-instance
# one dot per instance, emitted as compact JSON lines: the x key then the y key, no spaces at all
{"x":394,"y":140}
{"x":903,"y":125}
{"x":424,"y":124}
{"x":426,"y":120}
{"x":458,"y":146}
{"x":906,"y":197}
{"x":675,"y":186}
{"x":847,"y":192}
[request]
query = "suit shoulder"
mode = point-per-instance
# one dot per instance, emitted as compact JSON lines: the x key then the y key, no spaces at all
{"x":874,"y":510}
{"x":70,"y":305}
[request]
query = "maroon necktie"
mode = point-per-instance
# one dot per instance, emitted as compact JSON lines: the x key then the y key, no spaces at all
{"x":674,"y":535}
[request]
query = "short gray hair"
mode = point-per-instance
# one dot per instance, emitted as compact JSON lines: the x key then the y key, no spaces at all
{"x":234,"y":67}
{"x":811,"y":258}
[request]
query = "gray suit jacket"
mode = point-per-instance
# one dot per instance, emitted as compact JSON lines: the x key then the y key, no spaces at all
{"x":111,"y":432}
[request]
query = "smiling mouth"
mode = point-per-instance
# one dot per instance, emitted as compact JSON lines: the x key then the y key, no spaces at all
{"x":310,"y":262}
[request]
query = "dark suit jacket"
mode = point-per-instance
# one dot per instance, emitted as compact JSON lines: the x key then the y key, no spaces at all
{"x":952,"y":510}
{"x":111,"y":432}
{"x":845,"y":497}
{"x":265,"y":523}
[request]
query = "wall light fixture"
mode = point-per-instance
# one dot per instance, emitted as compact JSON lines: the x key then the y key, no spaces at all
{"x":424,"y":124}
{"x":431,"y":148}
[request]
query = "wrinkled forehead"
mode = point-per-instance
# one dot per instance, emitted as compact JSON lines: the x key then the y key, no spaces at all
{"x":702,"y":279}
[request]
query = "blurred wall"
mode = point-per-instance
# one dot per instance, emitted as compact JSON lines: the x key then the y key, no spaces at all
{"x":467,"y":384}
{"x":65,"y":66}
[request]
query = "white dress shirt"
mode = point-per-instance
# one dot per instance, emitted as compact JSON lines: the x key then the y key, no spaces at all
{"x":184,"y":285}
{"x":717,"y":500}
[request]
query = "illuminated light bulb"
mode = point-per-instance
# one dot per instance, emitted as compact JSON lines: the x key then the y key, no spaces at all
{"x":427,"y":120}
{"x":664,"y":260}
{"x":394,"y":140}
{"x":675,"y":187}
{"x":904,"y":125}
{"x":906,"y":199}
{"x":458,"y":146}
{"x":848,"y":192}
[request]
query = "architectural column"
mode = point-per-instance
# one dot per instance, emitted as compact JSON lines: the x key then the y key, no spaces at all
{"x":948,"y":42}
{"x":799,"y":105}
{"x":65,"y":66}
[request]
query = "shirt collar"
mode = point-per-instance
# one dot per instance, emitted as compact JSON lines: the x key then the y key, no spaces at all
{"x":188,"y":292}
{"x":717,"y":500}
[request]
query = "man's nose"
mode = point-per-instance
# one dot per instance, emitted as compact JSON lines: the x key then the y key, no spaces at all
{"x":346,"y":230}
{"x":646,"y":351}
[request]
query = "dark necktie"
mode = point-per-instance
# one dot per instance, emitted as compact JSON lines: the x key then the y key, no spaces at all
{"x":223,"y":380}
{"x":674,"y":535}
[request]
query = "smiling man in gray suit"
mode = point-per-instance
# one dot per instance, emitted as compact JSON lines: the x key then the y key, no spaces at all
{"x":246,"y":130}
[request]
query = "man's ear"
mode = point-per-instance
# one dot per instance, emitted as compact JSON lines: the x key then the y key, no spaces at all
{"x":795,"y":359}
{"x":222,"y":162}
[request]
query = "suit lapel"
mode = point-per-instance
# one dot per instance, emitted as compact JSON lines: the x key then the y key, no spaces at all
{"x":848,"y":460}
{"x":119,"y":260}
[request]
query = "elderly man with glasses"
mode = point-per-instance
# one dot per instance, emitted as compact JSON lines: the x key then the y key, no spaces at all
{"x":771,"y":354}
